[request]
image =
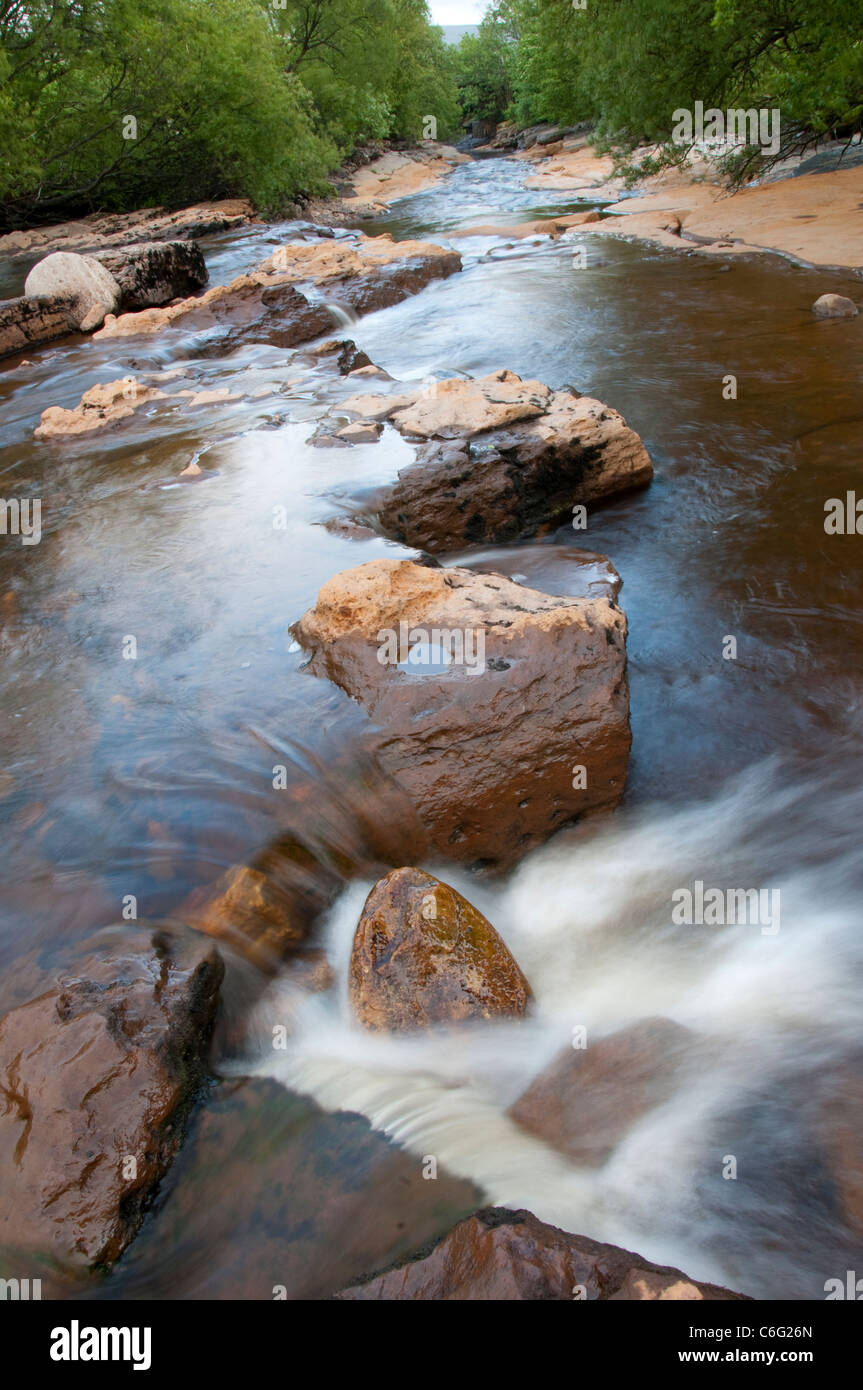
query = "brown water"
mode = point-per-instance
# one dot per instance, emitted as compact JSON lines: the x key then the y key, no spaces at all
{"x":149,"y":776}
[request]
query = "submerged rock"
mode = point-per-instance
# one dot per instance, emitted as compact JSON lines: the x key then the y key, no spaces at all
{"x":503,"y":711}
{"x":586,"y":1100}
{"x":502,"y":459}
{"x":835,"y":306}
{"x":510,"y":1255}
{"x":423,"y":954}
{"x":96,"y":1077}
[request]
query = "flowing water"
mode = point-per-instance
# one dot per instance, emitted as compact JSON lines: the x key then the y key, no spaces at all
{"x":147,"y":777}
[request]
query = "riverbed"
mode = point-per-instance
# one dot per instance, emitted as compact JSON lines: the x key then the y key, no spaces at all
{"x":148,"y":777}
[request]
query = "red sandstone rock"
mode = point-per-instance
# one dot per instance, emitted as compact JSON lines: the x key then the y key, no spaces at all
{"x":96,"y":1077}
{"x":510,"y":1255}
{"x":423,"y":954}
{"x":485,"y":751}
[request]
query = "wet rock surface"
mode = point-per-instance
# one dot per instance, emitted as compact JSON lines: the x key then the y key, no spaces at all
{"x":359,"y":272}
{"x":835,"y":306}
{"x":363,"y":272}
{"x":100,"y":408}
{"x":97,"y":1076}
{"x":265,"y":910}
{"x":302,"y":1202}
{"x":246,"y":305}
{"x":423,"y":954}
{"x":501,"y":1254}
{"x":502,"y":459}
{"x":486,"y":748}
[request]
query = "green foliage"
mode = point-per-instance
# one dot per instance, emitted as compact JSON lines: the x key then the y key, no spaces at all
{"x":226,"y":97}
{"x":483,"y":68}
{"x":626,"y":65}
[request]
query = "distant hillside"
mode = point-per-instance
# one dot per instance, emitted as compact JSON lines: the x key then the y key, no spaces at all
{"x":452,"y":33}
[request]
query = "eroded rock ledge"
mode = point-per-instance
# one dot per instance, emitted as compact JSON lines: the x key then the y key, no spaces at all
{"x":358,"y":272}
{"x":500,"y":459}
{"x":510,"y":1255}
{"x":486,"y":748}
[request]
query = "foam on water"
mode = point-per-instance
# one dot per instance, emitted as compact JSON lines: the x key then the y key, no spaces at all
{"x":590,"y":924}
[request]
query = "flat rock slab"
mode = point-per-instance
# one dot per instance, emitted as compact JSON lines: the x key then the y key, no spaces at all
{"x":510,"y":1255}
{"x":423,"y":954}
{"x":486,"y":747}
{"x":96,"y":1077}
{"x":119,"y":229}
{"x":246,"y":305}
{"x":112,"y":402}
{"x":270,"y":1194}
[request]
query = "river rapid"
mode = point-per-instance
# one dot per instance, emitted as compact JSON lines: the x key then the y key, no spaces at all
{"x":149,"y":777}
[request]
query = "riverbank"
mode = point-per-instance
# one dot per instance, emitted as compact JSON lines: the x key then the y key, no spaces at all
{"x":814,"y":218}
{"x":365,"y":185}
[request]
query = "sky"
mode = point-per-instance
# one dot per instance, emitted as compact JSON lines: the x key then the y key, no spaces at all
{"x":457,"y":11}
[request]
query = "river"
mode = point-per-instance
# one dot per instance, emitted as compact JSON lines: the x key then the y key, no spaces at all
{"x":146,"y":777}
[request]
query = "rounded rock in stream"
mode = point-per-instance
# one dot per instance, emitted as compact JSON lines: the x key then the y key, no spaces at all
{"x":83,"y":279}
{"x":835,"y":306}
{"x":498,"y":1254}
{"x":423,"y":954}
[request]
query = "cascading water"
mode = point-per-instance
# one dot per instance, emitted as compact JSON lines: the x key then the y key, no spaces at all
{"x":148,"y":778}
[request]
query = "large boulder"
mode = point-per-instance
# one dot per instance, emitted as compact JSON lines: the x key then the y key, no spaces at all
{"x":584,"y":1102}
{"x":96,"y":1078}
{"x":423,"y":954}
{"x":502,"y":459}
{"x":83,"y":279}
{"x":154,"y":273}
{"x":71,"y":293}
{"x":503,"y":712}
{"x":511,"y":1256}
